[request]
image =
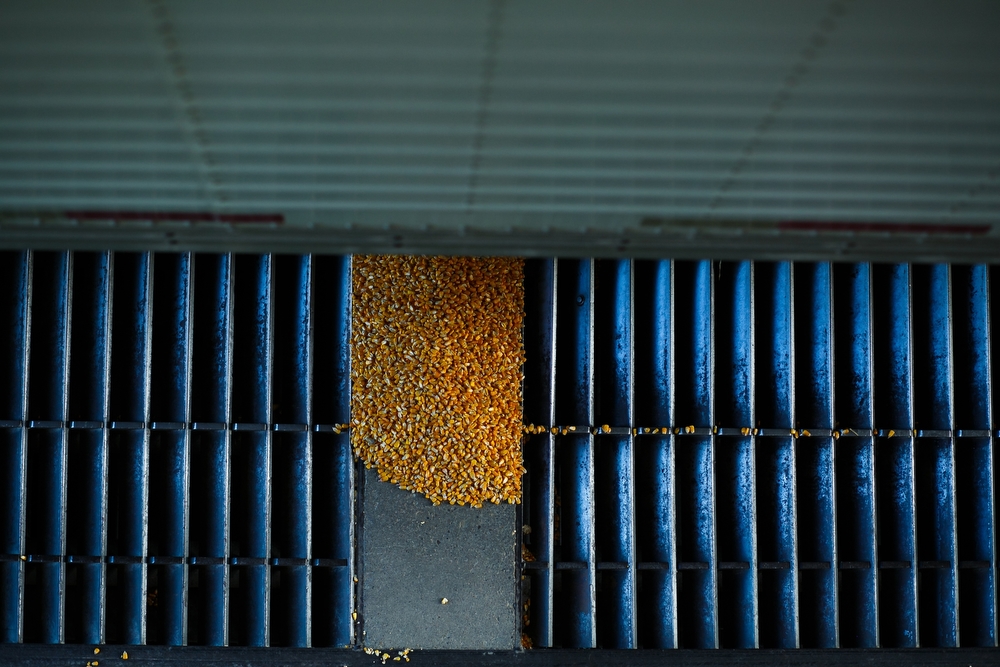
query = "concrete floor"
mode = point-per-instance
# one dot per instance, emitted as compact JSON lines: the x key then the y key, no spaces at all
{"x":413,"y":555}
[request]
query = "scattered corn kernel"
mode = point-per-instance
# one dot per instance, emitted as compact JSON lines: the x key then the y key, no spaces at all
{"x":806,"y":433}
{"x":124,"y":655}
{"x":891,"y":433}
{"x":745,"y":431}
{"x":444,"y":600}
{"x":605,"y":428}
{"x":436,"y":364}
{"x":354,"y":615}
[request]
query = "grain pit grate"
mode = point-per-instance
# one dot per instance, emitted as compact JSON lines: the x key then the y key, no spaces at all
{"x":761,"y":455}
{"x":174,"y":467}
{"x":803,"y":413}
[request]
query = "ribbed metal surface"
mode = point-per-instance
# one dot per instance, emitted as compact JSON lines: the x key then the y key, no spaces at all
{"x":174,"y":471}
{"x":384,"y":122}
{"x":748,"y":455}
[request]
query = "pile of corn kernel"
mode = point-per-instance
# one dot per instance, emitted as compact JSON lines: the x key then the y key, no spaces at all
{"x":436,"y":369}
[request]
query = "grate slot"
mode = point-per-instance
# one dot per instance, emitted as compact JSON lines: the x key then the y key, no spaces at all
{"x":15,"y":320}
{"x":935,"y":457}
{"x":855,"y":456}
{"x":89,"y":400}
{"x":654,"y":404}
{"x":974,"y":459}
{"x":614,"y":454}
{"x":129,"y":452}
{"x":211,"y":454}
{"x":896,"y":492}
{"x":333,"y":463}
{"x":48,"y":447}
{"x":735,"y":469}
{"x":291,"y":625}
{"x":695,"y":456}
{"x":575,"y":405}
{"x":776,"y":457}
{"x":252,"y":465}
{"x":169,"y":450}
{"x":540,"y":277}
{"x":816,"y":474}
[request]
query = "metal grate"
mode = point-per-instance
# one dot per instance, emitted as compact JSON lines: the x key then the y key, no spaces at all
{"x":759,"y":455}
{"x":173,"y":468}
{"x":818,"y":469}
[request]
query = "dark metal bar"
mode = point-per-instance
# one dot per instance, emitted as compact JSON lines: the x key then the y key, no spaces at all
{"x":575,"y":405}
{"x":88,"y":456}
{"x":654,"y":404}
{"x":776,"y":457}
{"x":896,"y":493}
{"x":48,"y":398}
{"x":735,"y":469}
{"x":974,"y":460}
{"x":615,"y":485}
{"x":695,"y":456}
{"x":171,"y":451}
{"x":856,"y":523}
{"x":333,"y":469}
{"x":935,"y":457}
{"x":816,"y":473}
{"x":252,"y":476}
{"x":293,"y":455}
{"x":129,"y":483}
{"x":15,"y":325}
{"x":210,"y":450}
{"x":540,"y":280}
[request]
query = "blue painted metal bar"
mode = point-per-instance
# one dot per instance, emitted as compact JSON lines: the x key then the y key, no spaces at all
{"x":210,"y":450}
{"x":333,"y":464}
{"x":575,"y":405}
{"x":695,"y":456}
{"x":776,"y":457}
{"x":252,"y":403}
{"x":130,"y":387}
{"x":735,"y":457}
{"x":653,"y":396}
{"x":15,"y":318}
{"x":856,"y":522}
{"x":896,"y":493}
{"x":816,"y":473}
{"x":613,"y":345}
{"x":540,"y":278}
{"x":89,"y":398}
{"x":974,"y":456}
{"x":935,"y":457}
{"x":293,"y":456}
{"x":48,"y":398}
{"x":171,"y":450}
